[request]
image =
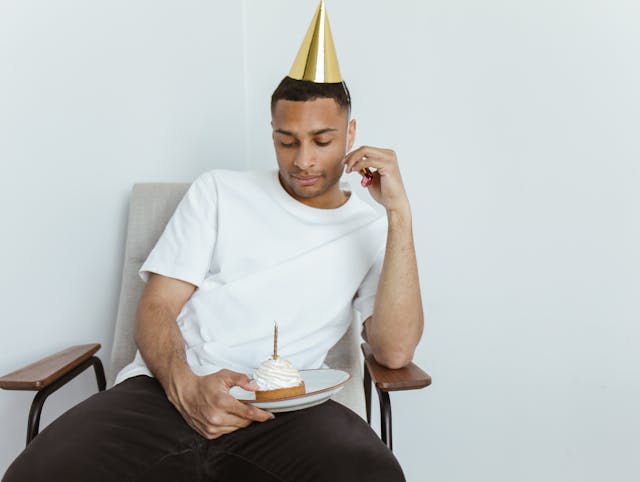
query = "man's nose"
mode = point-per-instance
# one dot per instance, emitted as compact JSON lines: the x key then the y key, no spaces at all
{"x":305,"y":158}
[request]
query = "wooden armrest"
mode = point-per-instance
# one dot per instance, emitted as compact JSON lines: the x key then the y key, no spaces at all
{"x":408,"y":378}
{"x":46,"y":371}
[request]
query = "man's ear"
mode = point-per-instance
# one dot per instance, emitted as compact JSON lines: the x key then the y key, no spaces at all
{"x":351,"y":134}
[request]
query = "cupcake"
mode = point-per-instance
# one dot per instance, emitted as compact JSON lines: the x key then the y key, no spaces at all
{"x":276,"y":377}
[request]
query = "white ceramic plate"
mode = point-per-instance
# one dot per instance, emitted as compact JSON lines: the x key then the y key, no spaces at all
{"x":321,"y":384}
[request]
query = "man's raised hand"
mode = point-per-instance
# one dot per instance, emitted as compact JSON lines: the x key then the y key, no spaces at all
{"x":386,"y":187}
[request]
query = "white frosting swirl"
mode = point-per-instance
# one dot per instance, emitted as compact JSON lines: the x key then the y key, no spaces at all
{"x":279,"y":373}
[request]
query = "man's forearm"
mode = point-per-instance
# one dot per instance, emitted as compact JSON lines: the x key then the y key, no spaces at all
{"x":397,"y":322}
{"x":161,"y":344}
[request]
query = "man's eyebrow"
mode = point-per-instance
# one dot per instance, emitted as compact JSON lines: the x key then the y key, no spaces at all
{"x":322,"y":131}
{"x":313,"y":133}
{"x":286,"y":133}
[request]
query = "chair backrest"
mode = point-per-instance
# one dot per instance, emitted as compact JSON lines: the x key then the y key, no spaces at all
{"x":150,"y":208}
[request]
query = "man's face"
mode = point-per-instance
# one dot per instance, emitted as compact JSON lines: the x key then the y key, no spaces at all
{"x":311,"y":140}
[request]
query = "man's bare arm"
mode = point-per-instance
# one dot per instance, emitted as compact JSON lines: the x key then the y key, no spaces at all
{"x":156,"y":331}
{"x":394,"y":329}
{"x":203,"y":401}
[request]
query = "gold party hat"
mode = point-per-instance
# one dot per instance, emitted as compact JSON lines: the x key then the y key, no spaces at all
{"x":317,"y":60}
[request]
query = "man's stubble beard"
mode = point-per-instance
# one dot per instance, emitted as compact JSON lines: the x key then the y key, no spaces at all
{"x":328,"y":184}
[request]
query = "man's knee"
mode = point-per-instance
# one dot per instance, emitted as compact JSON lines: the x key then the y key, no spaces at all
{"x":42,"y":462}
{"x":347,"y":464}
{"x":350,"y":450}
{"x":34,"y":469}
{"x":110,"y":435}
{"x":62,"y":451}
{"x":19,"y":471}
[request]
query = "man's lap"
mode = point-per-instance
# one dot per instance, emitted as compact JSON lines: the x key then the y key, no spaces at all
{"x":133,"y":433}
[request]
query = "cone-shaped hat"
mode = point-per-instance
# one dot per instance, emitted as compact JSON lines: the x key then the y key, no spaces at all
{"x":317,"y":60}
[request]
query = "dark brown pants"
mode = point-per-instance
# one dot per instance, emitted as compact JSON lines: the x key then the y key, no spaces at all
{"x":132,"y":433}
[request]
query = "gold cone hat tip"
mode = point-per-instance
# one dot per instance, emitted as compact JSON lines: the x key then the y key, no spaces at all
{"x":317,"y":60}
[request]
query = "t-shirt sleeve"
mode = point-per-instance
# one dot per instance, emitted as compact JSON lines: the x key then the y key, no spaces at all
{"x":185,"y":248}
{"x":365,"y":297}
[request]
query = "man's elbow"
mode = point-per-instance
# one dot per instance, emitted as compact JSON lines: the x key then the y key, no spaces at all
{"x":394,"y":359}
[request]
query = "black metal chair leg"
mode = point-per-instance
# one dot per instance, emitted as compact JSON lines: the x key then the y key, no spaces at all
{"x":367,"y":392}
{"x":385,"y":418}
{"x":33,"y":425}
{"x":99,"y":370}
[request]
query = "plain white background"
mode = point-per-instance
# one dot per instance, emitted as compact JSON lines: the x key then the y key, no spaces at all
{"x":516,"y":125}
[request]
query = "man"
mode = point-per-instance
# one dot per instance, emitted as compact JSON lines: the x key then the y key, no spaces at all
{"x":241,"y":250}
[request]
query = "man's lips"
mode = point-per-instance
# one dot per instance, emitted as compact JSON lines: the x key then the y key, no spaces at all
{"x":306,"y":180}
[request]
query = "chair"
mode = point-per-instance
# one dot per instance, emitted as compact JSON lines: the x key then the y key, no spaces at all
{"x":151,"y":206}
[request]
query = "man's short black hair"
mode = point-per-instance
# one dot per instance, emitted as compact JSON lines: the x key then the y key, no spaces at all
{"x":304,"y":90}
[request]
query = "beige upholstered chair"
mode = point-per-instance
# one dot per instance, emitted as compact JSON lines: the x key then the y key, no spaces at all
{"x":150,"y":208}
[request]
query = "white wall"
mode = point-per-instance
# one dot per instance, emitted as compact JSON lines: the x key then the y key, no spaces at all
{"x":95,"y":96}
{"x":514,"y":123}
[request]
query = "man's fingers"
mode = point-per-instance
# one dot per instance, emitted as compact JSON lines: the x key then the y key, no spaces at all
{"x":253,"y":413}
{"x":218,"y":424}
{"x":358,"y":164}
{"x":251,"y":385}
{"x":227,"y":404}
{"x":232,"y":378}
{"x":355,"y":156}
{"x":250,"y":412}
{"x":368,"y":157}
{"x":368,"y":151}
{"x":229,"y":420}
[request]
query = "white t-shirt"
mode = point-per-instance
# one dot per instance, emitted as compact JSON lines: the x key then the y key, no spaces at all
{"x":257,"y":256}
